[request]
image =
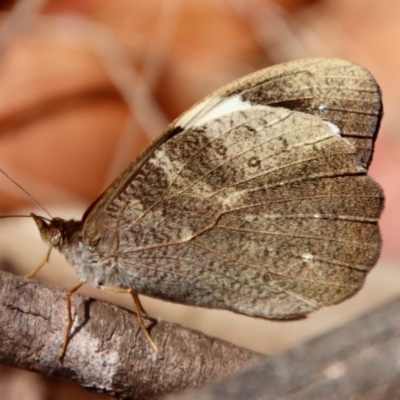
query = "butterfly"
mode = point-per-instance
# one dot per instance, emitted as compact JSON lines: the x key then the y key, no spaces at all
{"x":256,"y":200}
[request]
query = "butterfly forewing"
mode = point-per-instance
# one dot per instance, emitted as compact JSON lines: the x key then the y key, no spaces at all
{"x":251,"y":201}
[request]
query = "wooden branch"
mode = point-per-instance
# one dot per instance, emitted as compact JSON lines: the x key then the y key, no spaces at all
{"x":108,"y":351}
{"x":359,"y":360}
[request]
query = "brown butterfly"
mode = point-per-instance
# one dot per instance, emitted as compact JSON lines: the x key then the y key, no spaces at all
{"x":256,"y":200}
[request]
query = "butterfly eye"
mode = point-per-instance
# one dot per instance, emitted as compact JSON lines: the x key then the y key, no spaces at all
{"x":56,"y":238}
{"x":254,"y":162}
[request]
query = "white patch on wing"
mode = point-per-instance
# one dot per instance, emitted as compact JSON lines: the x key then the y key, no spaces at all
{"x":333,"y":128}
{"x":307,"y":257}
{"x":226,"y":106}
{"x":197,"y":110}
{"x":212,"y":109}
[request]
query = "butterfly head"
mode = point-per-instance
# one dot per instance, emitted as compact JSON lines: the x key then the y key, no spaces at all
{"x":52,"y":230}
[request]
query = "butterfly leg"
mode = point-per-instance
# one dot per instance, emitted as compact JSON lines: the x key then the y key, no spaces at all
{"x":70,"y":320}
{"x":139,"y":311}
{"x":36,"y":270}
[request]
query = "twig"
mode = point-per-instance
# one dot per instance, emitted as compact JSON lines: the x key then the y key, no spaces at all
{"x":107,"y":351}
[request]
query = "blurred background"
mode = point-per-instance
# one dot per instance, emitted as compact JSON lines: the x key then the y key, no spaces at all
{"x":85,"y":85}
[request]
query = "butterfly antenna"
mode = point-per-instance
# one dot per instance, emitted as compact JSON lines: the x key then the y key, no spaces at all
{"x":25,"y":191}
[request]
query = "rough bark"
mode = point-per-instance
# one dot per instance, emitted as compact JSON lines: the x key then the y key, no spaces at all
{"x":107,"y":351}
